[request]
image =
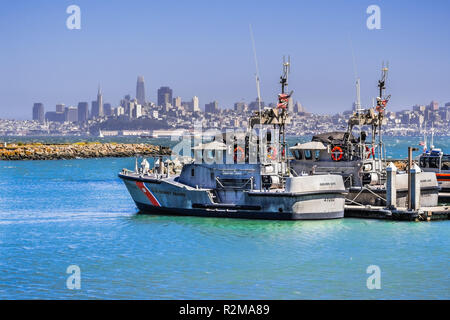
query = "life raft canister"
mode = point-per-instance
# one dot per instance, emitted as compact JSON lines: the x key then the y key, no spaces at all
{"x":241,"y":157}
{"x":271,"y":153}
{"x":337,"y":153}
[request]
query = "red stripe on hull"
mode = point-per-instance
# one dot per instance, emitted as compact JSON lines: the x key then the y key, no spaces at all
{"x":147,"y":192}
{"x":443,"y":176}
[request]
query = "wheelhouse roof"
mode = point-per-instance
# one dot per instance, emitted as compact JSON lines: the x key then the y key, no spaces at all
{"x":313,"y":145}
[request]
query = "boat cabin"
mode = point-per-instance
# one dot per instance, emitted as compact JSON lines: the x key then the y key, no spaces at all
{"x":435,"y":160}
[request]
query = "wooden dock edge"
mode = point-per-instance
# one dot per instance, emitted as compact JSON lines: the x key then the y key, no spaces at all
{"x":398,"y":214}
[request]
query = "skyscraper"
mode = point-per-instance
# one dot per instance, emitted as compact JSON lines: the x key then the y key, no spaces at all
{"x":60,"y":108}
{"x":164,"y":96}
{"x":100,"y":102}
{"x":212,"y":107}
{"x":140,"y":90}
{"x":71,"y":114}
{"x":195,"y":104}
{"x":94,"y":109}
{"x":97,"y":106}
{"x":177,"y":102}
{"x":83,"y":111}
{"x":107,"y":109}
{"x":38,"y":112}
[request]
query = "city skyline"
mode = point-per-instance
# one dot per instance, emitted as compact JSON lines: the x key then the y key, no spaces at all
{"x":213,"y":59}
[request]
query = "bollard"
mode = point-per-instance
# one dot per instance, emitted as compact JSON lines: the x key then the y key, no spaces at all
{"x":391,"y":187}
{"x":410,"y":165}
{"x":415,"y":188}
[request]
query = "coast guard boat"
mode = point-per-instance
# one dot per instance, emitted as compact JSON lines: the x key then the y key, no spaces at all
{"x":360,"y":159}
{"x":246,"y":177}
{"x":436,"y":161}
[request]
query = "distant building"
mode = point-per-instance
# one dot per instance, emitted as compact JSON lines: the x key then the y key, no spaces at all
{"x":94,"y":109}
{"x":54,"y":116}
{"x":254,"y":106}
{"x":240,"y":107}
{"x":434,"y":106}
{"x":419,"y":108}
{"x":290,"y":106}
{"x":298,"y":108}
{"x":212,"y":107}
{"x":140,"y":90}
{"x":164,"y":96}
{"x":107,"y":109}
{"x":97,"y":106}
{"x":100,"y":102}
{"x":137,"y":111}
{"x":119,"y":111}
{"x":71,"y":114}
{"x":195,"y":104}
{"x":177,"y":102}
{"x":60,"y":108}
{"x":38,"y":112}
{"x":83,"y":111}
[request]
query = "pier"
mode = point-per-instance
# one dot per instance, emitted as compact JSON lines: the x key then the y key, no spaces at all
{"x":413,"y":212}
{"x":399,"y":214}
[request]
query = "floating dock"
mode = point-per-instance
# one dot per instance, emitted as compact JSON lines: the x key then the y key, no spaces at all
{"x":400,"y":214}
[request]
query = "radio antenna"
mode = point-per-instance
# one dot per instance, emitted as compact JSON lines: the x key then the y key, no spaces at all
{"x":358,"y":80}
{"x":257,"y":69}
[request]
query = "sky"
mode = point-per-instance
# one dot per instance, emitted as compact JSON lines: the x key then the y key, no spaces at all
{"x":204,"y":48}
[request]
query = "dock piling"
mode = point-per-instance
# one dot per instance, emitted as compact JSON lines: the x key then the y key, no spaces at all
{"x":391,"y":188}
{"x":415,"y":188}
{"x":410,"y":164}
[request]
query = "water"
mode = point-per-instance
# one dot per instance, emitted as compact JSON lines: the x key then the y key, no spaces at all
{"x":77,"y":212}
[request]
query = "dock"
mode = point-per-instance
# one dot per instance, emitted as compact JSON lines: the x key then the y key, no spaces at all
{"x":398,"y":214}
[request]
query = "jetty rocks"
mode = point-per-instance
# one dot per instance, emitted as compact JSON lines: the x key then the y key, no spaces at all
{"x":79,"y":150}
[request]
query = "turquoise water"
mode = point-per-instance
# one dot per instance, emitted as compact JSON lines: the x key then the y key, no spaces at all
{"x":77,"y":212}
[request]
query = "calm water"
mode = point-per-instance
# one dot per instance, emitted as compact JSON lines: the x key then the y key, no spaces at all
{"x":77,"y":212}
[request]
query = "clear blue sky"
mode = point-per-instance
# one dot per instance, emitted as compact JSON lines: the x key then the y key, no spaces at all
{"x":203,"y":48}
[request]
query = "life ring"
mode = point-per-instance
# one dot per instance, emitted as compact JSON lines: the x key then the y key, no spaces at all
{"x":370,"y":153}
{"x":241,"y":158}
{"x":271,"y":153}
{"x":337,"y":153}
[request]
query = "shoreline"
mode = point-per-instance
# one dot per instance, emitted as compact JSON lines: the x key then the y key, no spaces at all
{"x":78,"y":150}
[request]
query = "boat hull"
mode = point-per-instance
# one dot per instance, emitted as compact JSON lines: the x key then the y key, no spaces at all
{"x":236,"y":214}
{"x":168,"y":197}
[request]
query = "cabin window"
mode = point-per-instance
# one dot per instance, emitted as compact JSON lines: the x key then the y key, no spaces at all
{"x":434,"y":162}
{"x":308,"y":155}
{"x":298,"y":154}
{"x":317,"y":154}
{"x":192,"y":172}
{"x":423,"y":162}
{"x":212,"y":175}
{"x":445,"y":163}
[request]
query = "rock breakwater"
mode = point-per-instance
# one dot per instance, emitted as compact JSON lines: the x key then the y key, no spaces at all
{"x":38,"y":151}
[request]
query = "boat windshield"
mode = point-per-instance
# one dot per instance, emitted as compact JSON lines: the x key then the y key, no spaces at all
{"x":429,"y":162}
{"x":445,"y":163}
